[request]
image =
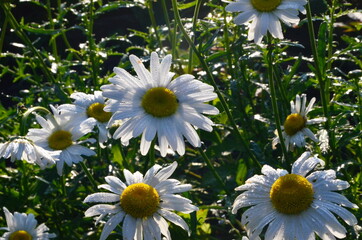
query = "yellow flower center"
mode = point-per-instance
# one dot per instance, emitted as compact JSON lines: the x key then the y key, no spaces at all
{"x":291,"y":194}
{"x":20,"y":235}
{"x":96,"y":111}
{"x":140,"y":200}
{"x":265,"y":5}
{"x":160,"y":102}
{"x":294,"y":123}
{"x":60,"y":140}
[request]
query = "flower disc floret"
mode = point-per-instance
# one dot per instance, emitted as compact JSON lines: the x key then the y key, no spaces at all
{"x":96,"y":111}
{"x":291,"y":194}
{"x":294,"y":123}
{"x":20,"y":235}
{"x":60,"y":140}
{"x":160,"y":102}
{"x":140,"y":200}
{"x":265,"y":5}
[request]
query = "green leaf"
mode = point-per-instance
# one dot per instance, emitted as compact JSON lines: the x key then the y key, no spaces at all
{"x":322,"y":45}
{"x":182,"y":6}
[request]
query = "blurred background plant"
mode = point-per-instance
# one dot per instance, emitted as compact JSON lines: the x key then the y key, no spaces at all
{"x":50,"y":49}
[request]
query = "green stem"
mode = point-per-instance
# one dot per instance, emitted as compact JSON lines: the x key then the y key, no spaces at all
{"x":330,"y":34}
{"x":3,"y":32}
{"x":227,"y":44}
{"x":21,"y":34}
{"x":92,"y":48}
{"x":359,"y":101}
{"x":213,"y":83}
{"x":62,"y":183}
{"x":154,"y":23}
{"x":124,"y":157}
{"x":51,"y":23}
{"x":89,"y":175}
{"x":151,"y":156}
{"x":194,"y":22}
{"x":274,"y":97}
{"x":213,"y":170}
{"x":168,"y":24}
{"x":26,"y":115}
{"x":322,"y":83}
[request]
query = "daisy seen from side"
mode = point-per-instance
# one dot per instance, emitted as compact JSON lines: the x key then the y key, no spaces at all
{"x":88,"y":106}
{"x":60,"y":133}
{"x":22,"y":226}
{"x":265,"y":16}
{"x":22,"y":148}
{"x":142,"y":203}
{"x":296,"y":205}
{"x":295,"y":125}
{"x":152,"y":103}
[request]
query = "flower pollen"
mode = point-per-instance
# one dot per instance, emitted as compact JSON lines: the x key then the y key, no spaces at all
{"x":294,"y":123}
{"x":96,"y":111}
{"x":160,"y":102}
{"x":291,"y":194}
{"x":140,"y":200}
{"x":265,"y":5}
{"x":20,"y":235}
{"x":60,"y":140}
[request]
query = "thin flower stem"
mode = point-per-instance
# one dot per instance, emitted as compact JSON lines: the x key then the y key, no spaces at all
{"x":124,"y":157}
{"x":25,"y":116}
{"x":213,"y":170}
{"x":92,"y":48}
{"x":194,"y":22}
{"x":330,"y":34}
{"x":322,"y":84}
{"x":21,"y":34}
{"x":274,"y":98}
{"x":62,"y":183}
{"x":3,"y":32}
{"x":154,"y":23}
{"x":227,"y":44}
{"x":151,"y":153}
{"x":51,"y":23}
{"x":213,"y":83}
{"x":89,"y":175}
{"x":168,"y":24}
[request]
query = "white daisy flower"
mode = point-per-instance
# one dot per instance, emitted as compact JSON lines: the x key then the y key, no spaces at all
{"x":88,"y":106}
{"x":59,"y":133}
{"x":295,"y":125}
{"x":22,"y":227}
{"x":142,"y":203}
{"x":296,"y":205}
{"x":21,"y":148}
{"x":265,"y":15}
{"x":151,"y":103}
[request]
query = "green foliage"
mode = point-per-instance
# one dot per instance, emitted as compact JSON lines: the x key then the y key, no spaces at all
{"x":61,"y":47}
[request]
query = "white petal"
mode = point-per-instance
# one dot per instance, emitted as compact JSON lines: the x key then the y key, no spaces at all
{"x":140,"y":69}
{"x":102,"y":209}
{"x":174,"y":218}
{"x":111,"y":224}
{"x":102,"y":197}
{"x":129,"y":227}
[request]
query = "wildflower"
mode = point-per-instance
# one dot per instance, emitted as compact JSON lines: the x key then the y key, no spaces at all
{"x":59,"y":133}
{"x":21,"y":148}
{"x":142,"y":203}
{"x":88,"y":106}
{"x":152,"y":103}
{"x":295,"y":125}
{"x":296,"y":205}
{"x":265,"y":15}
{"x":22,"y":227}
